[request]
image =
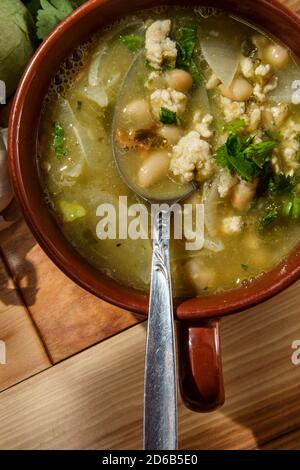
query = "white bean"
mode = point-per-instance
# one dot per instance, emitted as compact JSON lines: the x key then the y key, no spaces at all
{"x":154,"y":169}
{"x":180,"y":80}
{"x":239,"y":90}
{"x":200,"y":276}
{"x":138,"y":114}
{"x":276,"y":55}
{"x":171,"y":133}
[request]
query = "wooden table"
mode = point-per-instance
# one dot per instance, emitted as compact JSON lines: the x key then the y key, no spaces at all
{"x":74,"y":372}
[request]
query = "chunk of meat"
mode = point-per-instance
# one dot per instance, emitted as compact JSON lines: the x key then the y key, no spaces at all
{"x":243,"y":194}
{"x":160,"y":49}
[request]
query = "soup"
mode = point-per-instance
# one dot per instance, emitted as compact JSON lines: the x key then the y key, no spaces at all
{"x":184,"y":96}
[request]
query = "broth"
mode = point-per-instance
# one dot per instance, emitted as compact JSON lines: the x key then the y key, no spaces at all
{"x":208,"y":99}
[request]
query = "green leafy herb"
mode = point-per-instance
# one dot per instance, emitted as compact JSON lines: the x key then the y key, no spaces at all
{"x":291,"y":208}
{"x":187,"y":36}
{"x":132,"y":41}
{"x":231,"y":156}
{"x":248,"y":48}
{"x":281,"y":183}
{"x":233,"y":126}
{"x":50,"y":14}
{"x":245,"y":267}
{"x":59,"y":140}
{"x":186,"y":43}
{"x":166,"y":116}
{"x":240,"y":155}
{"x":260,"y":153}
{"x":194,"y":70}
{"x":271,"y":215}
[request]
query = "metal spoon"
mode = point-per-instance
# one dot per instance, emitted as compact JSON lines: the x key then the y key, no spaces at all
{"x":160,"y":391}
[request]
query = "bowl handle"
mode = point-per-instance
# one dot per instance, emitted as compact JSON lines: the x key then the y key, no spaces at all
{"x":200,"y":365}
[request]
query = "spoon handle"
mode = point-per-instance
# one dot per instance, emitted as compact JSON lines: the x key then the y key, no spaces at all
{"x":160,"y":397}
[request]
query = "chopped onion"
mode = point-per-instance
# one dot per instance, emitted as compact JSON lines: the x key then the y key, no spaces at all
{"x":93,"y":75}
{"x":77,"y":134}
{"x":288,"y":87}
{"x":222,"y":50}
{"x":97,"y":95}
{"x":213,"y":245}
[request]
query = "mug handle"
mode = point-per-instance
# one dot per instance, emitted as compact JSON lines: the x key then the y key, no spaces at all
{"x":200,"y":365}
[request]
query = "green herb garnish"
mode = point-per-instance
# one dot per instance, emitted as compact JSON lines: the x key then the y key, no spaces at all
{"x":186,"y":43}
{"x":186,"y":40}
{"x":291,"y":208}
{"x":243,"y":157}
{"x":260,"y":153}
{"x":233,"y":126}
{"x":245,"y":267}
{"x":281,"y":183}
{"x":166,"y":116}
{"x":132,"y":41}
{"x":59,"y":140}
{"x":271,"y":214}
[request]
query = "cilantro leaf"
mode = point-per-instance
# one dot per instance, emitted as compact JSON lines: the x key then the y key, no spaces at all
{"x":187,"y":36}
{"x":59,"y":140}
{"x":240,"y":155}
{"x":166,"y":116}
{"x":261,"y":152}
{"x":245,"y":267}
{"x":231,"y":155}
{"x":233,"y":126}
{"x":132,"y":41}
{"x":221,"y":157}
{"x":281,"y":183}
{"x":291,"y":207}
{"x":271,"y":214}
{"x":50,"y":14}
{"x":186,"y":43}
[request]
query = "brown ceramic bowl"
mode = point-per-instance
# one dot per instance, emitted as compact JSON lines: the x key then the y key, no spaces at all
{"x":200,"y":362}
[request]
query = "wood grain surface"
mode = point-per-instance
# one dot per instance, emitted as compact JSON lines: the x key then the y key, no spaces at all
{"x":25,"y":354}
{"x":68,"y":318}
{"x":94,"y":399}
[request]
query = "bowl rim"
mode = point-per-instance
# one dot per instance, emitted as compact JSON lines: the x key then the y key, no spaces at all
{"x":74,"y":266}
